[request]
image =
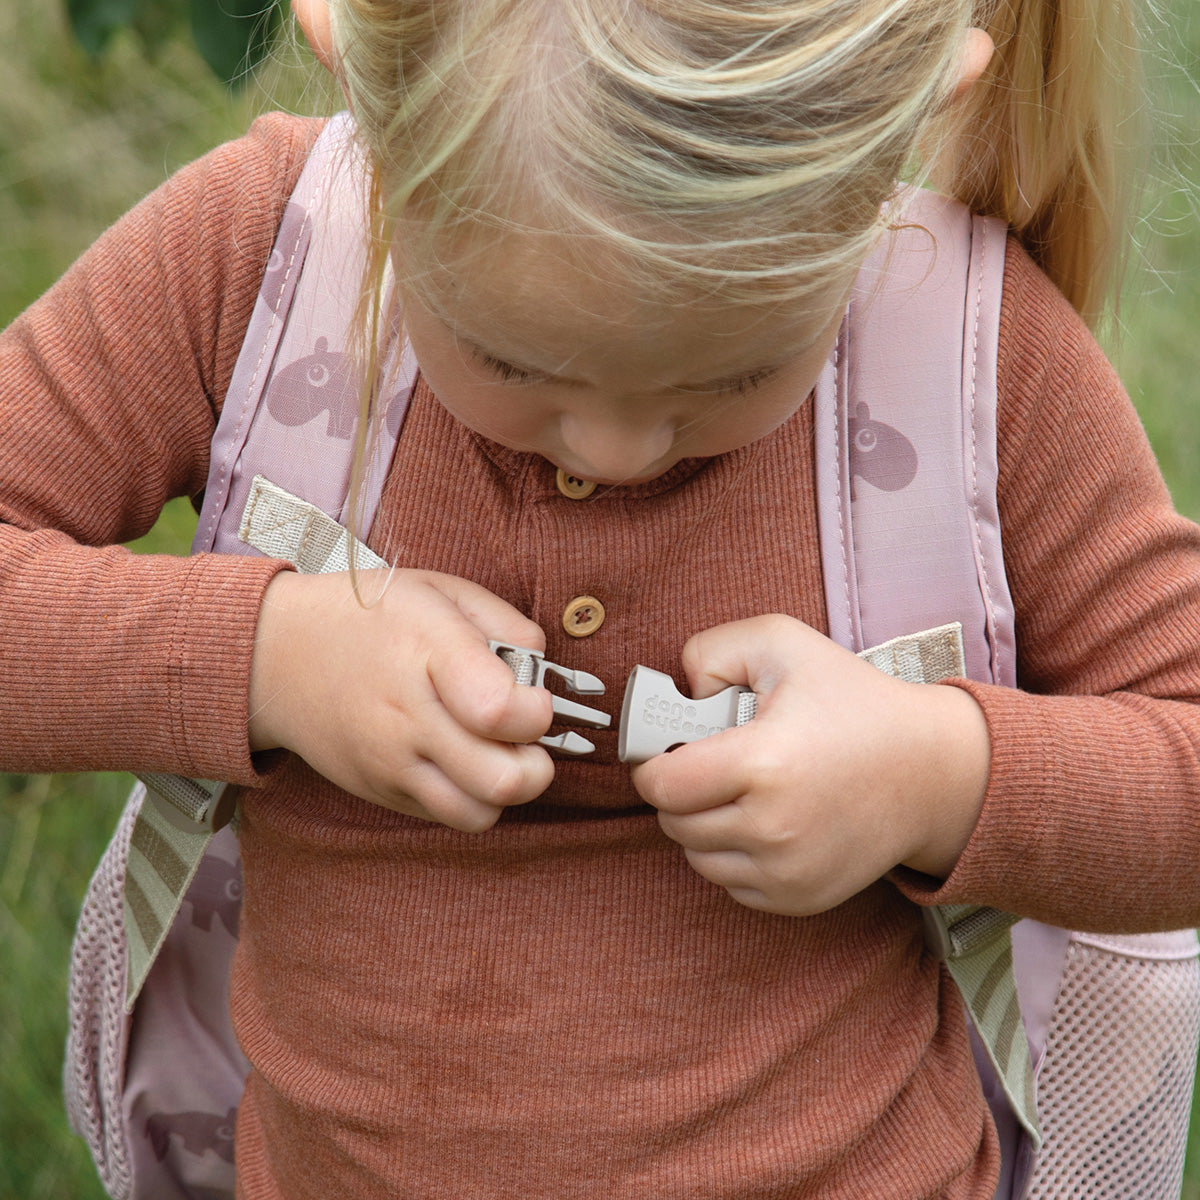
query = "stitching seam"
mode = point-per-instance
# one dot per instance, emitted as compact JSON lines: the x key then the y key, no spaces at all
{"x":838,"y":408}
{"x":234,"y":451}
{"x":979,"y":547}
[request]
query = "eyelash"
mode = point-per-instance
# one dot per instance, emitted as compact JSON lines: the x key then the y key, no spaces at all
{"x":507,"y":372}
{"x":747,"y":383}
{"x":733,"y":387}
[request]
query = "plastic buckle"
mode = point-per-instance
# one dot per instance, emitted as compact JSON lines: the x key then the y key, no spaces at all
{"x":530,"y":667}
{"x":655,"y":716}
{"x":192,"y":805}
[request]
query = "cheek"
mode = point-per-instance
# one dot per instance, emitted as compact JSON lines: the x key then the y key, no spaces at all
{"x":502,"y":414}
{"x":744,"y":419}
{"x":459,"y":388}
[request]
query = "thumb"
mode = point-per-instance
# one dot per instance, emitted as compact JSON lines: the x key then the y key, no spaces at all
{"x":495,"y":618}
{"x":746,"y":653}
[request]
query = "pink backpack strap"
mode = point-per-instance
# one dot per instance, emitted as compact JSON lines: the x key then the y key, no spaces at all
{"x":910,"y":540}
{"x":290,"y":414}
{"x":910,"y":534}
{"x":292,"y":407}
{"x":906,"y":442}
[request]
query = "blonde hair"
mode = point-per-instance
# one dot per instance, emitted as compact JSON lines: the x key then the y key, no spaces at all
{"x":1052,"y":138}
{"x":743,"y":149}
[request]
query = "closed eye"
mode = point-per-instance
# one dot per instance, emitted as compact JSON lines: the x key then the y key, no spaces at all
{"x":737,"y":385}
{"x":508,"y":372}
{"x":734,"y":386}
{"x":747,"y":383}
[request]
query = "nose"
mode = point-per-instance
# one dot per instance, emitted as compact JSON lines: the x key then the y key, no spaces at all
{"x":612,"y":447}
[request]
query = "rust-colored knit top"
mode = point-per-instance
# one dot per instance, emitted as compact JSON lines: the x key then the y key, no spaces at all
{"x":560,"y":1007}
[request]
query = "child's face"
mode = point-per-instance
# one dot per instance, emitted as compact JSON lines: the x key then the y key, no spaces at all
{"x":540,"y":355}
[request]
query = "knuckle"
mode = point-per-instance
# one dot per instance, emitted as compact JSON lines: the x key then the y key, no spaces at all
{"x":515,"y":782}
{"x":769,"y":768}
{"x":777,"y":625}
{"x":774,"y":832}
{"x":494,"y":703}
{"x":531,"y":636}
{"x":692,"y":656}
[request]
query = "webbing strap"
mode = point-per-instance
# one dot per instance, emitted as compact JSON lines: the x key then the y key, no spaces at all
{"x":163,"y":856}
{"x":284,"y":526}
{"x":973,"y":941}
{"x":985,"y":977}
{"x":921,"y":657}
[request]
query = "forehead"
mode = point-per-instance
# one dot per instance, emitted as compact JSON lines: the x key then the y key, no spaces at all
{"x":547,"y":298}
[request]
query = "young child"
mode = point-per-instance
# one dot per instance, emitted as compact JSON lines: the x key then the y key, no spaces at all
{"x":623,"y":235}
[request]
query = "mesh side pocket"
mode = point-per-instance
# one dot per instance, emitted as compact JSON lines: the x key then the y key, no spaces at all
{"x":1115,"y":1088}
{"x":98,"y":1029}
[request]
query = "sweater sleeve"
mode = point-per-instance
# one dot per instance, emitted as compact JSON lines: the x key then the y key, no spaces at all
{"x":110,"y":386}
{"x":1092,"y":814}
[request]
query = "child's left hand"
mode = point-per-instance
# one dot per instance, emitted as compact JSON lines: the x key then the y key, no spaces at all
{"x":844,"y":773}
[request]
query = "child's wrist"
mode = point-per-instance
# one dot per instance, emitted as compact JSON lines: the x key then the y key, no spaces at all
{"x":954,"y":779}
{"x":272,"y":647}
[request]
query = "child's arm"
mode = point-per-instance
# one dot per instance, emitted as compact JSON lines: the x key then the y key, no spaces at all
{"x":108,"y":391}
{"x":110,"y":387}
{"x":398,"y":699}
{"x":1091,"y":813}
{"x":844,"y":772}
{"x":1092,"y":817}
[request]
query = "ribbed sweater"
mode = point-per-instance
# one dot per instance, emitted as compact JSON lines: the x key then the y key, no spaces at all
{"x":560,"y":1007}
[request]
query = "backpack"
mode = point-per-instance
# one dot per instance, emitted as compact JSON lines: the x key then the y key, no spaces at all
{"x":1107,"y":1027}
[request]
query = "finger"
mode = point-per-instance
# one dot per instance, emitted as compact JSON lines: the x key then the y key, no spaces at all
{"x":715,"y":658}
{"x":698,"y":776}
{"x":746,"y":652}
{"x":426,"y":793}
{"x":493,"y":617}
{"x":480,"y":692}
{"x":726,"y":868}
{"x":721,"y":828}
{"x":494,"y":772}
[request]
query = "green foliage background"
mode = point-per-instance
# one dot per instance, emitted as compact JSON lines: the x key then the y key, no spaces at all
{"x":232,"y":36}
{"x":82,"y":136}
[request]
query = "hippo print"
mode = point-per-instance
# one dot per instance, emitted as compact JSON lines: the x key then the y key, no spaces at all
{"x":880,"y":454}
{"x":197,"y":1132}
{"x":325,"y":382}
{"x":321,"y":382}
{"x":216,"y":890}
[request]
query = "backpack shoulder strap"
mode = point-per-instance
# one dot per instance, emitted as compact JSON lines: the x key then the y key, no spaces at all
{"x":906,"y":441}
{"x":291,"y":411}
{"x":909,"y":524}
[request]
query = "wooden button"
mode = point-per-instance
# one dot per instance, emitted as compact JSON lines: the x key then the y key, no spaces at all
{"x":572,"y":486}
{"x":583,"y":616}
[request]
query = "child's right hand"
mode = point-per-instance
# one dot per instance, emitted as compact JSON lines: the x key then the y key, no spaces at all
{"x":400,"y":701}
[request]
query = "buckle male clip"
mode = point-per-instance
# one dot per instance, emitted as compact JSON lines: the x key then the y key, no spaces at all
{"x":530,"y":667}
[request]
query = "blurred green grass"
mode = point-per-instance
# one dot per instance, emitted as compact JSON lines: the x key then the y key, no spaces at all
{"x":80,"y":142}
